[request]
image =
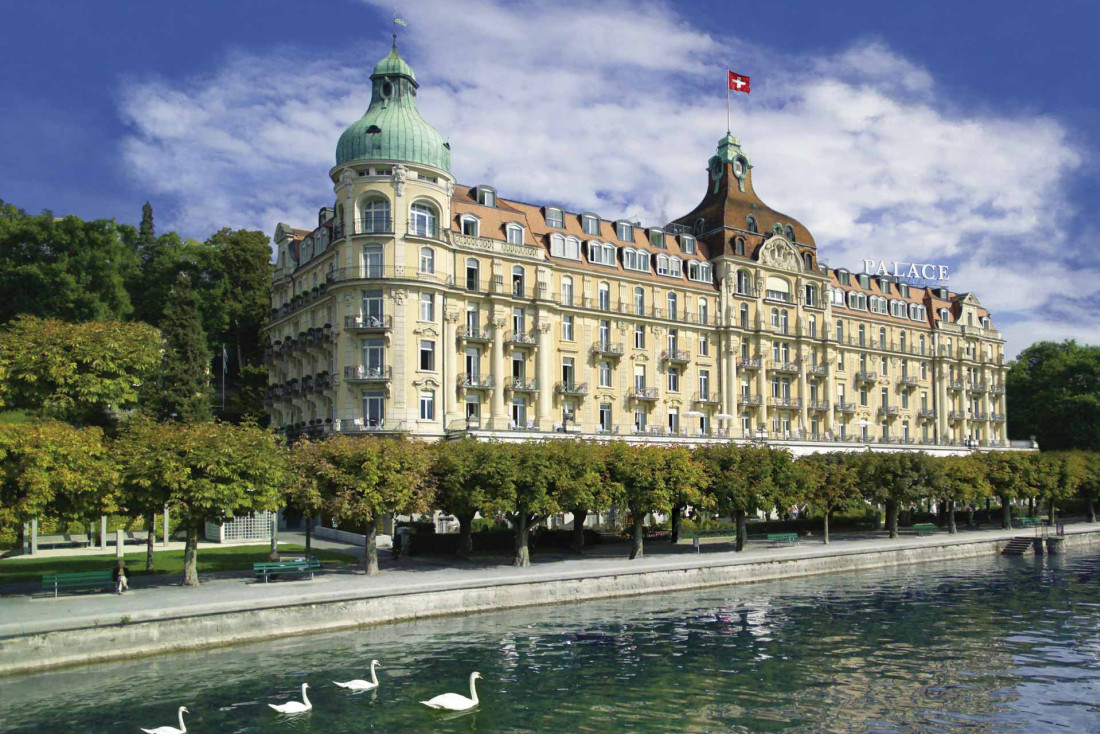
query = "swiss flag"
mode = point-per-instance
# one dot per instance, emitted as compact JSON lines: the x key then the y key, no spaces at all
{"x":739,"y":83}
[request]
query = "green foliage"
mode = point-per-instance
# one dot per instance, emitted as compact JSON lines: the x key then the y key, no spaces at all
{"x":468,"y":474}
{"x":964,"y":480}
{"x":64,"y":268}
{"x":739,"y":478}
{"x":180,"y":390}
{"x":82,"y":373}
{"x":1053,"y":393}
{"x":832,"y":481}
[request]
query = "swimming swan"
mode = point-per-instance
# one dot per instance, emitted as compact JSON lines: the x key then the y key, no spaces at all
{"x":171,"y":729}
{"x":294,"y":707}
{"x":362,"y":685}
{"x":455,"y":701}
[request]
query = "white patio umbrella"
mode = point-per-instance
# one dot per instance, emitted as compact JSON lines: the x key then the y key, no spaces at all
{"x":724,"y":416}
{"x":694,"y":413}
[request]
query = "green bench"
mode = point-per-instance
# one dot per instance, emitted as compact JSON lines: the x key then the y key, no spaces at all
{"x":924,"y":528}
{"x":288,"y":568}
{"x":82,"y":580}
{"x":777,"y":538}
{"x":1030,"y":522}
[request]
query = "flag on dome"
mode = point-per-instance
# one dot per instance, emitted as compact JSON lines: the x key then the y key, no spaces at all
{"x":398,"y":21}
{"x":738,"y":82}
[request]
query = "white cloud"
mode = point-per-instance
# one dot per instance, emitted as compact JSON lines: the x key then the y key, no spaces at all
{"x":566,"y":103}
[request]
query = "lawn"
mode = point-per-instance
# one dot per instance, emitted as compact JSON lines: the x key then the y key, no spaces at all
{"x":211,"y":560}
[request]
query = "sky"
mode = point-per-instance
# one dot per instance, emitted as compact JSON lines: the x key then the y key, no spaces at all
{"x":956,"y":133}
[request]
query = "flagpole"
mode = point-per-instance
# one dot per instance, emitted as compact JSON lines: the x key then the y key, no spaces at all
{"x":728,"y":126}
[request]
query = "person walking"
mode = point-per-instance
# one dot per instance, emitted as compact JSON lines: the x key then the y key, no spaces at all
{"x":121,"y":576}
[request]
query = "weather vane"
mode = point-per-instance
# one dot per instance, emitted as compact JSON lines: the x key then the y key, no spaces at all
{"x":396,"y":22}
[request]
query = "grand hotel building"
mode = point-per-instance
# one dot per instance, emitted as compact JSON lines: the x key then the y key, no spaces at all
{"x":421,"y":306}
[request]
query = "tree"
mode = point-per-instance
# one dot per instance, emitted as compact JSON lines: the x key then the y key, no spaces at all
{"x":302,"y":491}
{"x":147,"y":233}
{"x":180,"y":389}
{"x":51,"y":469}
{"x":244,"y":257}
{"x":637,"y":474}
{"x":962,"y":480}
{"x":526,"y":501}
{"x":139,"y":498}
{"x":83,"y":373}
{"x":577,"y":482}
{"x":1090,"y":482}
{"x":686,"y":479}
{"x":1057,"y":476}
{"x":1006,"y":473}
{"x":1053,"y":393}
{"x":463,"y":472}
{"x":208,"y":472}
{"x":898,"y":479}
{"x":64,"y":267}
{"x":740,"y":481}
{"x":365,"y":479}
{"x":832,"y":483}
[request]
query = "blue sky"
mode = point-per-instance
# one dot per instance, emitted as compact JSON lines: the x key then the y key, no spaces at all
{"x":956,"y":132}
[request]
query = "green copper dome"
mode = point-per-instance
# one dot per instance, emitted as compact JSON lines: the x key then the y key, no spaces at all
{"x":392,"y":128}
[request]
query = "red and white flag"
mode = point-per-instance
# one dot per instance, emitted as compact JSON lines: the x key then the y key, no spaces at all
{"x":739,"y":83}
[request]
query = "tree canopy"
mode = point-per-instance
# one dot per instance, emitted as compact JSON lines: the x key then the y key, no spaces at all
{"x":1052,"y":392}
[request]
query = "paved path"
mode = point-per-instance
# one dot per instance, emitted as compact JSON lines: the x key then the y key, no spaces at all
{"x":166,"y":600}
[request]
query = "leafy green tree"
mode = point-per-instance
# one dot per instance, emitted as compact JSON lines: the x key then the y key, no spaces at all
{"x":577,"y":482}
{"x":208,"y":472}
{"x":244,"y":259}
{"x":1057,"y":476}
{"x":963,"y":479}
{"x":1090,"y":482}
{"x":364,"y":480}
{"x":302,"y":490}
{"x":740,"y":481}
{"x":180,"y":389}
{"x":898,"y":479}
{"x":1007,"y":474}
{"x":637,"y":475}
{"x":64,"y":267}
{"x":53,"y":470}
{"x":140,"y":498}
{"x":832,"y":483}
{"x":686,"y":478}
{"x":82,"y":373}
{"x":147,"y":232}
{"x":1053,"y":393}
{"x":526,"y":500}
{"x":464,"y":471}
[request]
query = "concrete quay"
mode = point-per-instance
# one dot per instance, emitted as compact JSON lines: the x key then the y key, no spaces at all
{"x":41,"y":633}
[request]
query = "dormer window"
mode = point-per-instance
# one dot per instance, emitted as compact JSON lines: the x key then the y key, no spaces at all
{"x":945,"y":316}
{"x":636,"y":260}
{"x":590,"y":224}
{"x":844,"y":277}
{"x":624,"y":231}
{"x":657,"y":238}
{"x":789,"y":231}
{"x":555,"y":217}
{"x":567,"y":247}
{"x":687,"y":244}
{"x":864,"y":281}
{"x":486,"y":196}
{"x":750,"y":224}
{"x":601,"y":254}
{"x":515,"y":234}
{"x":903,"y":290}
{"x":738,"y":168}
{"x":739,"y":246}
{"x":884,"y":285}
{"x":808,"y":259}
{"x":471,"y":225}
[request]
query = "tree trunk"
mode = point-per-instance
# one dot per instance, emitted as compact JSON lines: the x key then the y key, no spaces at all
{"x":150,"y":540}
{"x":273,"y":554}
{"x":190,"y":560}
{"x":1031,"y":507}
{"x":521,"y":526}
{"x":370,"y":558}
{"x":892,"y":518}
{"x":827,"y":513}
{"x":1006,"y":514}
{"x":579,"y":516}
{"x":951,"y":527}
{"x":1050,"y":512}
{"x":677,"y":523}
{"x":742,"y":531}
{"x":1091,"y":509}
{"x":878,"y":518}
{"x":970,"y":515}
{"x":309,"y":537}
{"x":465,"y":535}
{"x":637,"y":542}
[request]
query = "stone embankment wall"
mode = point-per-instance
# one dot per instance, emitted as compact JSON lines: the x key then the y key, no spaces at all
{"x":103,"y":643}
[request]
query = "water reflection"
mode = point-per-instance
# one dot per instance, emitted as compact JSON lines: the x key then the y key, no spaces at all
{"x":982,"y":645}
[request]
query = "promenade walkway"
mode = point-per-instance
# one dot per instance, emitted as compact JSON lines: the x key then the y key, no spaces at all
{"x":160,"y":598}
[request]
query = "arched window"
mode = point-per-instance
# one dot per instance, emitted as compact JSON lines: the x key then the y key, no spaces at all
{"x":743,"y":282}
{"x":427,"y":260}
{"x":750,"y":223}
{"x":739,"y":246}
{"x":566,"y":290}
{"x":604,"y":293}
{"x":662,"y":265}
{"x":672,"y":305}
{"x":517,"y":281}
{"x":778,"y":289}
{"x":704,"y":311}
{"x":374,"y":216}
{"x":639,"y":300}
{"x":744,"y":315}
{"x":473,"y":274}
{"x":789,"y":231}
{"x":809,"y":260}
{"x":471,"y":225}
{"x":423,"y":220}
{"x":775,"y":317}
{"x":945,"y":316}
{"x":643,"y":261}
{"x":515,"y":234}
{"x":839,"y":330}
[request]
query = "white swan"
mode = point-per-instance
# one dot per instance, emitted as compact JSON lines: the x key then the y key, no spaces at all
{"x":362,"y":685}
{"x":171,"y":729}
{"x":455,"y":701}
{"x":294,"y":707}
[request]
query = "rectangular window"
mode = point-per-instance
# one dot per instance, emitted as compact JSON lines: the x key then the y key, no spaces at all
{"x":605,"y":374}
{"x":515,"y":235}
{"x":567,"y":328}
{"x":639,"y":377}
{"x":605,"y":417}
{"x":374,"y":409}
{"x":471,"y":227}
{"x":657,"y":238}
{"x":704,"y":383}
{"x":704,"y":345}
{"x":590,"y":224}
{"x":863,"y":396}
{"x":673,"y":421}
{"x":519,"y":321}
{"x":555,"y":218}
{"x":905,"y":400}
{"x":427,"y":406}
{"x":427,"y":307}
{"x":427,"y":355}
{"x":687,"y":244}
{"x":673,"y":379}
{"x":639,"y":336}
{"x":568,"y":376}
{"x":372,"y":261}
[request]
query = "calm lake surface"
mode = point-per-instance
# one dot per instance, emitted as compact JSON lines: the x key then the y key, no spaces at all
{"x":997,"y":644}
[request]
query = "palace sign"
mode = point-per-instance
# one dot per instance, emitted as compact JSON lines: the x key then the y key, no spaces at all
{"x":921,"y":272}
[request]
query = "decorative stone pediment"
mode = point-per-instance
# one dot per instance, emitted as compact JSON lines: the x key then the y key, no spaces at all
{"x":430,"y":331}
{"x":674,"y":402}
{"x":640,"y":357}
{"x":428,"y":382}
{"x":778,"y":253}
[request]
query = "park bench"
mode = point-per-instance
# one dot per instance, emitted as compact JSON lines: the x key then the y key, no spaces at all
{"x":1030,"y":522}
{"x":82,"y":580}
{"x":730,"y":533}
{"x":275,"y":569}
{"x":924,"y":528}
{"x":787,"y":538}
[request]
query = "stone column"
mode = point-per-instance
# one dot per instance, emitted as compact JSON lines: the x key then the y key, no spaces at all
{"x":543,"y":375}
{"x":450,"y":371}
{"x":164,"y":529}
{"x":762,"y":388}
{"x":103,"y":532}
{"x":499,"y":415}
{"x":943,"y":376}
{"x":120,"y":549}
{"x":829,"y":385}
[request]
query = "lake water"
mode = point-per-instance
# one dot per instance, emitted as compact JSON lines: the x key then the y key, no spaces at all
{"x":993,"y":644}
